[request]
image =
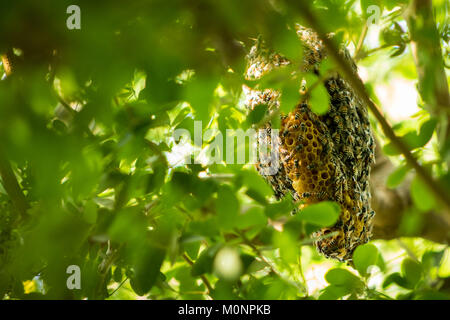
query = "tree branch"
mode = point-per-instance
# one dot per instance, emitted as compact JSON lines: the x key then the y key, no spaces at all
{"x":391,"y":205}
{"x":361,"y":40}
{"x":426,"y":52}
{"x":361,"y":92}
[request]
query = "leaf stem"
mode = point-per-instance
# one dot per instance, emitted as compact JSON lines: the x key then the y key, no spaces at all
{"x":204,"y":279}
{"x":361,"y":40}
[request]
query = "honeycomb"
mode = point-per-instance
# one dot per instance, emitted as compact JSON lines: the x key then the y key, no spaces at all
{"x":321,"y":157}
{"x":7,"y":63}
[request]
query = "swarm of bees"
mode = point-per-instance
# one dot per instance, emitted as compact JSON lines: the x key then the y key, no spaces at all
{"x":321,"y":157}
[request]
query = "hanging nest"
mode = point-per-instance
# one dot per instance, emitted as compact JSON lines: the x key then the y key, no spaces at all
{"x":321,"y":157}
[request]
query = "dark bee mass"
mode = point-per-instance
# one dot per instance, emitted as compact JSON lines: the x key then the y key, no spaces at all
{"x":324,"y":157}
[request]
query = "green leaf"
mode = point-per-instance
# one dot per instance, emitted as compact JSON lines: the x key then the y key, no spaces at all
{"x":253,"y":180}
{"x":412,"y":222}
{"x":247,"y":260}
{"x":394,"y":278}
{"x":199,"y":93}
{"x":255,"y":195}
{"x":191,"y":245}
{"x":289,"y":250}
{"x":287,"y":44}
{"x":227,"y":206}
{"x":254,"y":217}
{"x":117,"y":275}
{"x":180,"y":116}
{"x":277,"y":209}
{"x":365,"y":256}
{"x":333,"y":292}
{"x":204,"y":263}
{"x":146,"y":269}
{"x":432,"y":259}
{"x":322,"y":214}
{"x":90,"y":212}
{"x":422,"y":197}
{"x":412,"y":272}
{"x":431,"y":295}
{"x":319,"y":100}
{"x":290,"y":96}
{"x":412,"y":139}
{"x":223,"y":290}
{"x":397,"y":176}
{"x":343,"y":277}
{"x":257,"y":114}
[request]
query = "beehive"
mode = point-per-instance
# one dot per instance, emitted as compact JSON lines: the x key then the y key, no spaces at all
{"x":7,"y":63}
{"x":325,"y":157}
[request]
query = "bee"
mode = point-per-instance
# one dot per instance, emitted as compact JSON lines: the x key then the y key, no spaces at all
{"x":297,"y":116}
{"x":338,"y":193}
{"x":364,"y":229}
{"x":350,"y":139}
{"x":295,"y":126}
{"x":311,"y":166}
{"x":296,"y":164}
{"x":348,"y":185}
{"x":336,"y":137}
{"x":332,"y":85}
{"x":306,"y":195}
{"x":359,"y":153}
{"x":303,"y":126}
{"x":339,"y":181}
{"x":343,"y":109}
{"x":304,"y":108}
{"x":321,"y":195}
{"x":299,"y":147}
{"x":322,"y":139}
{"x":349,"y":124}
{"x":357,"y":194}
{"x":338,"y":121}
{"x":300,"y":138}
{"x":348,"y":153}
{"x":285,"y":133}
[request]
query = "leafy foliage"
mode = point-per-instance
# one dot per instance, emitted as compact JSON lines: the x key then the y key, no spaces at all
{"x":105,"y":183}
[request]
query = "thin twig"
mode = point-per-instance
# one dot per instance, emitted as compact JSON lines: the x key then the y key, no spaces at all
{"x":263,"y":259}
{"x":257,"y":251}
{"x":204,"y":279}
{"x":361,"y":92}
{"x":364,"y":54}
{"x":120,"y":285}
{"x":361,"y":40}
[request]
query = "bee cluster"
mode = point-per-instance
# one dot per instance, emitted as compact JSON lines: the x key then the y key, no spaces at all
{"x":321,"y":157}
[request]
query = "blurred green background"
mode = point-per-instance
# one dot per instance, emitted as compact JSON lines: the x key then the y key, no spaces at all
{"x":86,"y":123}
